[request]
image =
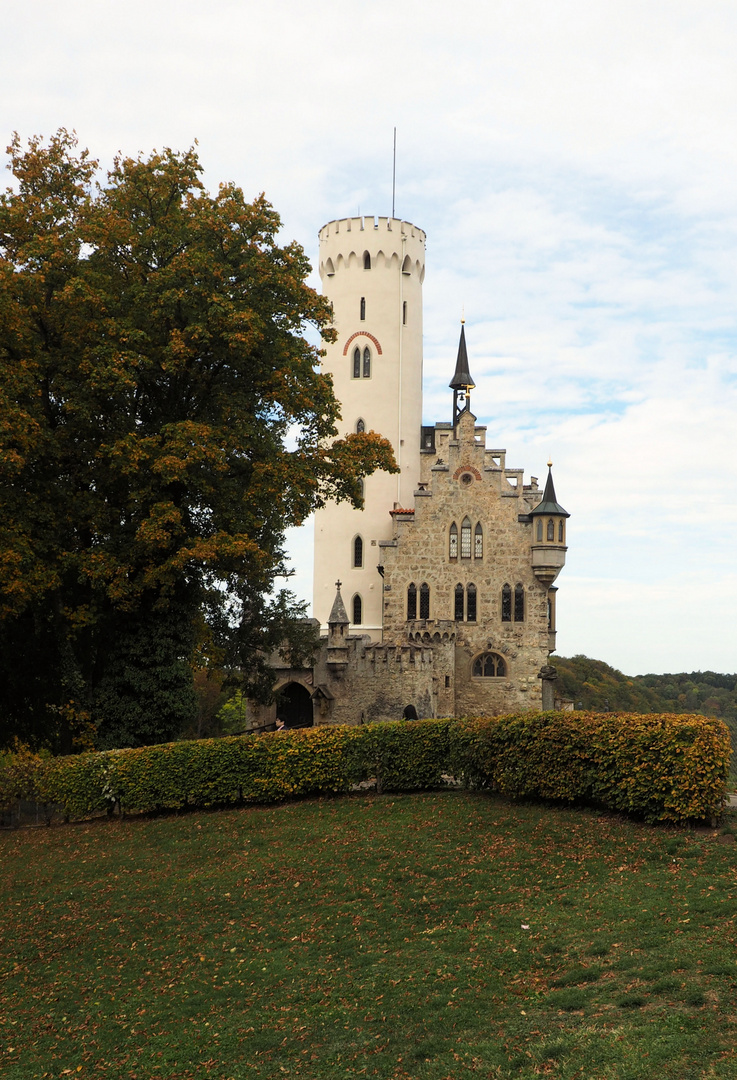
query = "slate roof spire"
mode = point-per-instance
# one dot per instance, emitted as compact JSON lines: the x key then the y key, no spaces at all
{"x":461,"y":384}
{"x":550,"y":504}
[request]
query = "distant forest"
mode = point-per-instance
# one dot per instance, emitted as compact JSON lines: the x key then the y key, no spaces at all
{"x":594,"y":685}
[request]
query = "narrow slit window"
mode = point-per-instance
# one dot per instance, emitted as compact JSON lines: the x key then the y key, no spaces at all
{"x":367,"y":363}
{"x":404,"y":313}
{"x":561,"y":533}
{"x":366,"y":261}
{"x":478,"y":542}
{"x":412,"y":601}
{"x":507,"y":603}
{"x":466,"y":539}
{"x":358,"y":552}
{"x":519,"y":603}
{"x":471,"y":603}
{"x":458,"y":609}
{"x":424,"y":601}
{"x":357,"y":610}
{"x":453,"y":542}
{"x":363,"y":308}
{"x":356,"y":363}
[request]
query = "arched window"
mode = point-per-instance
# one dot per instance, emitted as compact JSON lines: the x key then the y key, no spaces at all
{"x":358,"y":551}
{"x":356,"y":363}
{"x":453,"y":542}
{"x":551,"y":530}
{"x":366,"y":261}
{"x":561,"y":533}
{"x":367,"y":363}
{"x":361,"y":488}
{"x":424,"y":600}
{"x":363,"y":308}
{"x":506,"y":604}
{"x":360,"y":426}
{"x":458,"y":616}
{"x":466,"y":539}
{"x":412,"y":601}
{"x":519,"y":603}
{"x":489,"y":666}
{"x":357,"y":610}
{"x":471,"y":603}
{"x":478,"y":542}
{"x":407,"y":265}
{"x":539,"y":534}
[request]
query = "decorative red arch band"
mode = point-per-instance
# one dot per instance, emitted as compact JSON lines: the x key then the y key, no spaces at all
{"x":466,"y":468}
{"x":363,"y":333}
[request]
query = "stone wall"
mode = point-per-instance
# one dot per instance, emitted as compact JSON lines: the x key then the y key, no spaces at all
{"x":462,"y":479}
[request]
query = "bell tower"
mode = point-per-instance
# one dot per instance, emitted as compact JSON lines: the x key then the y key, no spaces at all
{"x":372,"y":271}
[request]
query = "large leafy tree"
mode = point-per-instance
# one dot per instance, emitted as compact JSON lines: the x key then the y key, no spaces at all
{"x":163,"y":420}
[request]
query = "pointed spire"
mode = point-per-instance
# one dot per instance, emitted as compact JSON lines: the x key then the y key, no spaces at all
{"x":550,"y":504}
{"x":462,"y":379}
{"x":338,"y":613}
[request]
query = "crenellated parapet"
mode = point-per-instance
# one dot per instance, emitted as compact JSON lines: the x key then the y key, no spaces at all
{"x":365,"y":243}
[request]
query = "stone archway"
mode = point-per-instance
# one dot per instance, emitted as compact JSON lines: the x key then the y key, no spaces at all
{"x":294,"y":705}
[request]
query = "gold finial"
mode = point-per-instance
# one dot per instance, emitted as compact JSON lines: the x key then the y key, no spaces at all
{"x":550,"y":464}
{"x":463,"y":314}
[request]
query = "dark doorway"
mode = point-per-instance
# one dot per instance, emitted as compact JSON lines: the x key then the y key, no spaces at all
{"x":294,"y":706}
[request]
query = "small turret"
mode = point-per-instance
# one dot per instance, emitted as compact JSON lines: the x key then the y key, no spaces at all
{"x":338,"y":623}
{"x":548,"y":534}
{"x":461,"y":384}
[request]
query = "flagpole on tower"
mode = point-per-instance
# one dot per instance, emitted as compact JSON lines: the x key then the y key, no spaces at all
{"x":394,"y":170}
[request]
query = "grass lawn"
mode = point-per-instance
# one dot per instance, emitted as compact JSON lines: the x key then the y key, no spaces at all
{"x":422,"y":937}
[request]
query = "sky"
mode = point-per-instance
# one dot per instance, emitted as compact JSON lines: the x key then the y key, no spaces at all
{"x":573,"y":165}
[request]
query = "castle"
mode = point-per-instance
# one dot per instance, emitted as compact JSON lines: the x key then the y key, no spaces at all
{"x":448,"y":571}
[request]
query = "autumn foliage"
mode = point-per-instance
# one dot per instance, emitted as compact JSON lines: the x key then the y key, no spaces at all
{"x":659,"y":769}
{"x":163,"y":420}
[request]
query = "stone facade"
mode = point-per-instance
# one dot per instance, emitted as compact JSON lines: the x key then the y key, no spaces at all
{"x":464,"y":482}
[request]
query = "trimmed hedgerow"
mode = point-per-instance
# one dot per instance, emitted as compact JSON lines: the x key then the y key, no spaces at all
{"x":402,"y":756}
{"x":660,"y":768}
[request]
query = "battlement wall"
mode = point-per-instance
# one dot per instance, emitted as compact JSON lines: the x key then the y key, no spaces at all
{"x":344,"y":242}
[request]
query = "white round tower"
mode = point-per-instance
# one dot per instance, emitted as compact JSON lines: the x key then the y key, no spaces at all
{"x":372,"y":271}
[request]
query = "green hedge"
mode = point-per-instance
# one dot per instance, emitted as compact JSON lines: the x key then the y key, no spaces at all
{"x":660,"y":768}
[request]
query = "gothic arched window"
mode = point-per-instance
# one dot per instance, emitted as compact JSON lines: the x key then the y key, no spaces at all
{"x":356,"y":363}
{"x":358,"y":551}
{"x":366,"y":261}
{"x":367,"y":363}
{"x":471,"y":603}
{"x":478,"y":542}
{"x":561,"y":533}
{"x":539,"y":534}
{"x":458,"y":609}
{"x":466,"y":539}
{"x":412,"y":601}
{"x":519,"y":603}
{"x":363,"y":308}
{"x":453,"y":542}
{"x":551,"y":530}
{"x":506,"y":604}
{"x":360,"y":426}
{"x":489,"y":666}
{"x":357,"y":610}
{"x":424,"y":600}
